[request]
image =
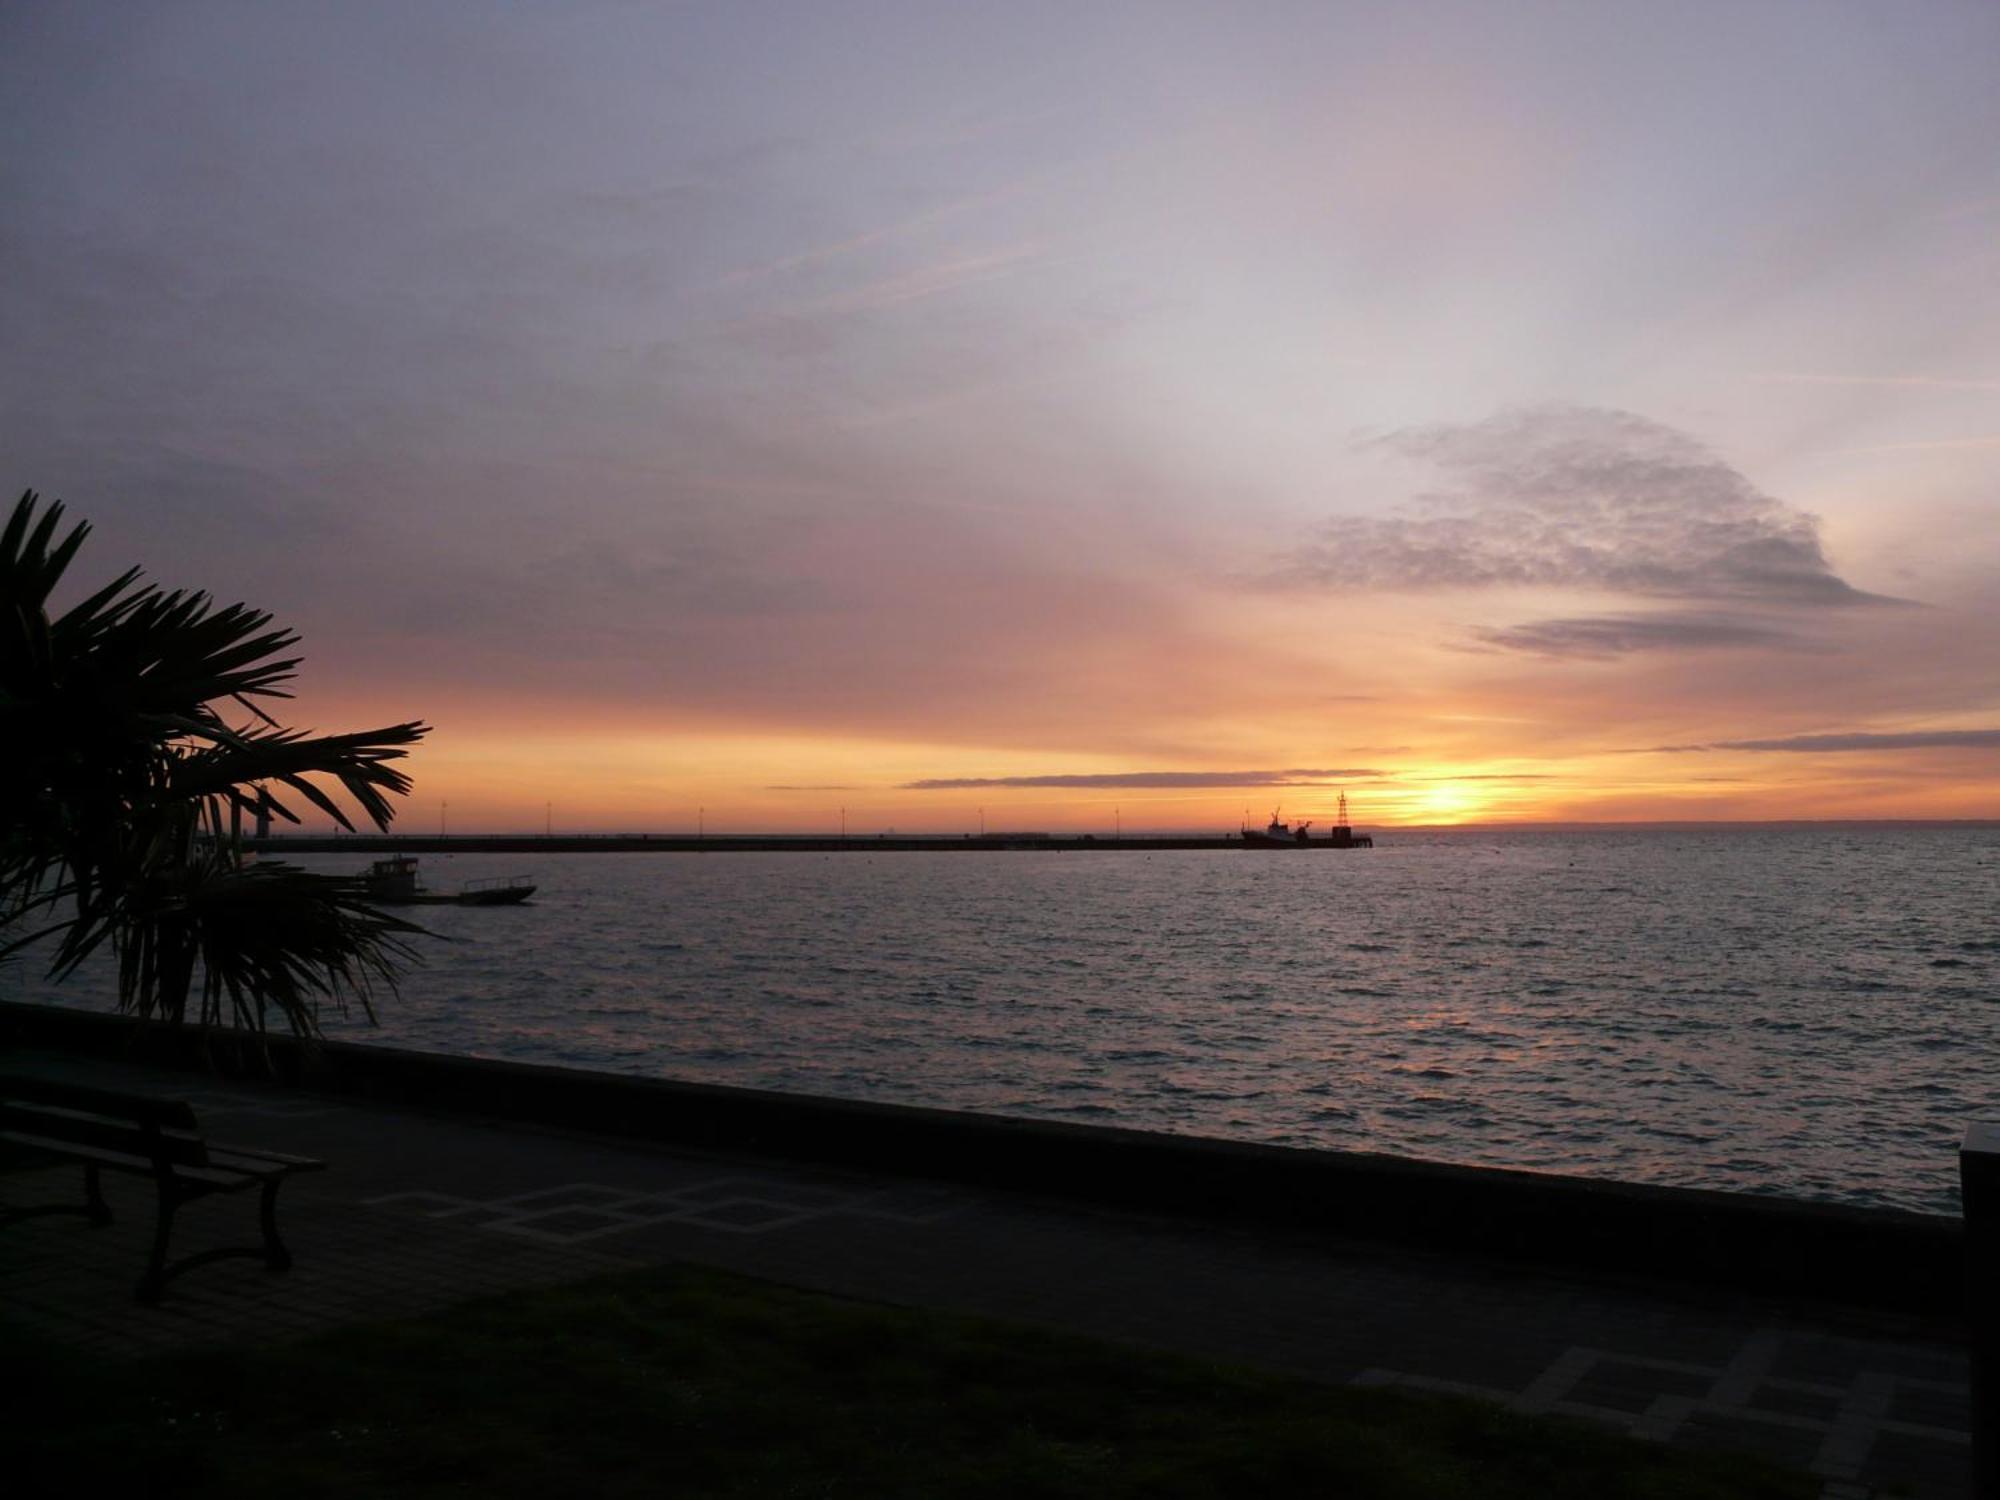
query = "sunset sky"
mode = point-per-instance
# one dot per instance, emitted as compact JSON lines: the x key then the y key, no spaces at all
{"x":1502,"y":411}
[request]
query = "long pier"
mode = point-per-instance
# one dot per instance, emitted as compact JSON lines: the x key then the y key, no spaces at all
{"x":677,"y":843}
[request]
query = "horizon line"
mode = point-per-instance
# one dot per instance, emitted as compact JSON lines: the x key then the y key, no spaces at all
{"x":1181,"y":831}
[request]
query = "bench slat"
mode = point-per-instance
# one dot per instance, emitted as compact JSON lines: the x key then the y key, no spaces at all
{"x":170,"y":1114}
{"x":254,"y":1167}
{"x":222,"y":1177}
{"x":263,"y":1157}
{"x":118,"y":1161}
{"x":107,"y":1133}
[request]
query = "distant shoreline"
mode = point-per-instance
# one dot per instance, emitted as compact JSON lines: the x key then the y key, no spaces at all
{"x":815,"y":843}
{"x":714,"y":843}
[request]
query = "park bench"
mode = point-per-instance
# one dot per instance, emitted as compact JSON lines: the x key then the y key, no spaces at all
{"x":150,"y":1137}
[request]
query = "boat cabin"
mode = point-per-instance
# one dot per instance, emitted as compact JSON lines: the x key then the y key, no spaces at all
{"x":394,"y":878}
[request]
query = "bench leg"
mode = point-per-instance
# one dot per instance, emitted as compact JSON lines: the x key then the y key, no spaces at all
{"x":154,"y":1282}
{"x":98,"y":1210}
{"x":152,"y":1286}
{"x":276,"y":1256}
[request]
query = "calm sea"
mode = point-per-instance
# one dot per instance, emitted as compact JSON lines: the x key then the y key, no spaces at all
{"x":1803,"y":1013}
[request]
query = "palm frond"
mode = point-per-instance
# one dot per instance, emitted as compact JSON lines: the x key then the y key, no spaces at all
{"x":270,"y":943}
{"x":359,"y":762}
{"x":121,"y":782}
{"x":31,"y":560}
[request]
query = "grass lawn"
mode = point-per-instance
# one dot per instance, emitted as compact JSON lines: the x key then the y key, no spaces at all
{"x":690,"y":1383}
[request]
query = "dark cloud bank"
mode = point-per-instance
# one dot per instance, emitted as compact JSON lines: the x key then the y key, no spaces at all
{"x":1150,"y":779}
{"x":1604,"y":636}
{"x":1590,"y":499}
{"x":1824,"y":744}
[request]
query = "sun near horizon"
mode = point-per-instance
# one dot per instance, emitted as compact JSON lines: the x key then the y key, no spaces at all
{"x":467,"y":783}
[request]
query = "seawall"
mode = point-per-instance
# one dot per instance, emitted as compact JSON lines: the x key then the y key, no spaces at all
{"x":634,"y":843}
{"x":1877,"y":1258}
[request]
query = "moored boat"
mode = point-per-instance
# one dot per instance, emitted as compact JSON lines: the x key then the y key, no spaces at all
{"x":1282,"y":835}
{"x":393,"y":882}
{"x":1279,"y":835}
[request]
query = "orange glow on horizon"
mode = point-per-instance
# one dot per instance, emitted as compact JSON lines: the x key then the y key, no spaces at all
{"x":602,"y":782}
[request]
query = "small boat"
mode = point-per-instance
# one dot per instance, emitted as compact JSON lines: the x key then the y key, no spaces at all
{"x":393,"y":882}
{"x":1281,"y":835}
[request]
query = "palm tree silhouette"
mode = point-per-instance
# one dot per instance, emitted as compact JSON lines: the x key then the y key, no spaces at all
{"x":122,"y":788}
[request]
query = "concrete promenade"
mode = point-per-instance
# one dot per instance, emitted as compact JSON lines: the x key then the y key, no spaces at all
{"x":422,"y":1209}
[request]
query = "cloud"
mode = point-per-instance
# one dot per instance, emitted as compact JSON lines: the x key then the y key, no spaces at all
{"x":1917,"y":382}
{"x":1603,"y":637}
{"x":923,"y":220}
{"x":1935,"y":445}
{"x":1929,"y":739}
{"x":1579,"y":497}
{"x":831,"y":786}
{"x":1495,"y":776}
{"x":1150,"y":779}
{"x":923,"y":281}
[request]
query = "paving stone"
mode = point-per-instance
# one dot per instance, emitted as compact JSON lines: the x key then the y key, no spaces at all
{"x":1747,"y":1433}
{"x":1634,"y":1387}
{"x":567,"y":1194}
{"x":1932,"y":1405}
{"x":1925,"y":1467}
{"x":743,"y":1215}
{"x":1818,"y":1406}
{"x":569,"y":1223}
{"x":712,"y":1192}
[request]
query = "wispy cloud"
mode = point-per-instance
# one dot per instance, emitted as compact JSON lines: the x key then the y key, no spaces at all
{"x":927,"y":281}
{"x":1579,"y":497}
{"x":1604,"y":637}
{"x":1931,"y":446}
{"x":1502,"y":776}
{"x":1913,"y":382}
{"x":1824,"y":744}
{"x":911,"y":224}
{"x":1149,"y":779}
